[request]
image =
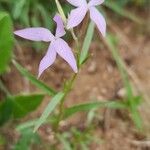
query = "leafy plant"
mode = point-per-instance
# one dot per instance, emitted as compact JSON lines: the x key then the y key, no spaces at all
{"x":6,"y":41}
{"x":27,"y":140}
{"x":16,"y":107}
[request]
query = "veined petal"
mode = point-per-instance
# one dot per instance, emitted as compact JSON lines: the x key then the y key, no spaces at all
{"x":77,"y":3}
{"x":66,"y":53}
{"x":60,"y":31}
{"x":35,"y":34}
{"x":95,"y":2}
{"x":76,"y":16}
{"x":98,"y":19}
{"x":48,"y":59}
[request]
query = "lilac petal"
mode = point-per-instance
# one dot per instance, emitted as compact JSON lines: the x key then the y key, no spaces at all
{"x":98,"y":19}
{"x":48,"y":59}
{"x":60,"y":31}
{"x":95,"y":2}
{"x":35,"y":34}
{"x":66,"y":53}
{"x":76,"y":16}
{"x":77,"y":3}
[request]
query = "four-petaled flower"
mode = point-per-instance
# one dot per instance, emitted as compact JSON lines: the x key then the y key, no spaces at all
{"x":57,"y":44}
{"x":77,"y":15}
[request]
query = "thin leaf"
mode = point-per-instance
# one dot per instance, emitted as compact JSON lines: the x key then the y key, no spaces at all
{"x":26,"y":125}
{"x":6,"y":41}
{"x":87,"y":42}
{"x":132,"y":101}
{"x":64,"y":141}
{"x":48,"y":110}
{"x":26,"y":140}
{"x":33,"y":80}
{"x":120,"y":63}
{"x":88,"y":106}
{"x":121,"y":11}
{"x":61,"y":11}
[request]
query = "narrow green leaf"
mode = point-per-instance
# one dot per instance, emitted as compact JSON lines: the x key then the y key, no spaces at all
{"x":61,"y":11}
{"x":26,"y":140}
{"x":136,"y":118}
{"x":6,"y":41}
{"x":18,"y":7}
{"x":26,"y":125}
{"x":48,"y":110}
{"x":88,"y":106}
{"x":33,"y":80}
{"x":122,"y":12}
{"x":132,"y":101}
{"x":64,"y":141}
{"x":87,"y":42}
{"x":120,"y":63}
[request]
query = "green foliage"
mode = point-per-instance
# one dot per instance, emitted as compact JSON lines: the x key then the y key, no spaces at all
{"x":33,"y":80}
{"x":2,"y":140}
{"x":6,"y":41}
{"x":123,"y":12}
{"x":6,"y":108}
{"x":123,"y":3}
{"x":87,"y":43}
{"x":132,"y":101}
{"x":64,"y":141}
{"x":32,"y":12}
{"x":48,"y":110}
{"x":27,"y":139}
{"x":89,"y":106}
{"x":18,"y":106}
{"x":24,"y":104}
{"x":77,"y":139}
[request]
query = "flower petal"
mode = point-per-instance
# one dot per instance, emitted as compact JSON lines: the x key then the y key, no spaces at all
{"x":95,"y":2}
{"x":76,"y":16}
{"x":98,"y":19}
{"x":60,"y":31}
{"x":35,"y":34}
{"x":77,"y":3}
{"x":66,"y":53}
{"x":48,"y":59}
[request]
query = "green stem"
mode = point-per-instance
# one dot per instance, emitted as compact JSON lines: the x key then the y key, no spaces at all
{"x":61,"y":107}
{"x":61,"y":11}
{"x":69,"y":85}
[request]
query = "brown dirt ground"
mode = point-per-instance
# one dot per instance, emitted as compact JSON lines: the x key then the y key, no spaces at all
{"x":98,"y":79}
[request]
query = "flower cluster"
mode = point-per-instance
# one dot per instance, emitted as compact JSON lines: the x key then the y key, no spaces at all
{"x":57,"y":44}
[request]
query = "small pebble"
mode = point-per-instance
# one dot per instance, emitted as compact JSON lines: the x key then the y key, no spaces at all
{"x":92,"y":68}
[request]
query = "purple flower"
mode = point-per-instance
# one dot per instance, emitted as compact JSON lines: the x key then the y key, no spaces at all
{"x":57,"y":45}
{"x":77,"y":15}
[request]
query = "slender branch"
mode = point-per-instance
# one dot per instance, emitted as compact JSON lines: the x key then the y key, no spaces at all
{"x":61,"y":106}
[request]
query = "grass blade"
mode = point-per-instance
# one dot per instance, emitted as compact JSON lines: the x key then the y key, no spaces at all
{"x":122,"y":12}
{"x":88,"y":106}
{"x":33,"y":80}
{"x":64,"y":141}
{"x":48,"y":110}
{"x":87,"y":42}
